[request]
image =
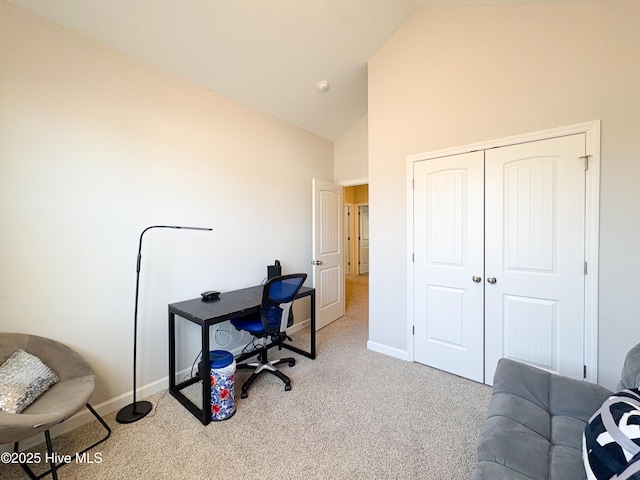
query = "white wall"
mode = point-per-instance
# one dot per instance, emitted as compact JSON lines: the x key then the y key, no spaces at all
{"x":456,"y":76}
{"x":351,"y":157}
{"x":96,"y":146}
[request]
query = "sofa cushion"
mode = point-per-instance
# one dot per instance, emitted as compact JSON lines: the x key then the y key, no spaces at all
{"x":574,"y":398}
{"x":566,"y":463}
{"x":494,"y":471}
{"x":504,"y":440}
{"x":567,"y":431}
{"x":534,"y":425}
{"x":536,"y":418}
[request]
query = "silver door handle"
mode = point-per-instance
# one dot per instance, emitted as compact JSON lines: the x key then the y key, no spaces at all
{"x":491,"y":280}
{"x":316,"y":262}
{"x":476,"y":279}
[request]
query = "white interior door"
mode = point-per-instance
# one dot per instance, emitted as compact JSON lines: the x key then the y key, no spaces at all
{"x":448,"y":263}
{"x":328,"y":273}
{"x":363,"y":239}
{"x":534,"y":301}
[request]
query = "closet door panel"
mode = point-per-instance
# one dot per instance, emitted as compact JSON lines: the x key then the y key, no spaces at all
{"x":534,"y":298}
{"x":448,"y":247}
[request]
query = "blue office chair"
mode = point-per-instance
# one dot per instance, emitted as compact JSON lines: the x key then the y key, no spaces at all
{"x":274,"y":318}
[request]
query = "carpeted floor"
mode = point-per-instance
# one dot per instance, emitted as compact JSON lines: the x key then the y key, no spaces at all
{"x":351,"y":414}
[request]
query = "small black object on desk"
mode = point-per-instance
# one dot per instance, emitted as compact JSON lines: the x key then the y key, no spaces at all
{"x":210,"y":295}
{"x":274,"y":270}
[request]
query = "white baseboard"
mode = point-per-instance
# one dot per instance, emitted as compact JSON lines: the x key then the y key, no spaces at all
{"x":386,"y":350}
{"x":299,"y":326}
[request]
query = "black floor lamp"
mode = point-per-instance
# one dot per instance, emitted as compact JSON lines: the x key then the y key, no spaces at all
{"x":137,"y":410}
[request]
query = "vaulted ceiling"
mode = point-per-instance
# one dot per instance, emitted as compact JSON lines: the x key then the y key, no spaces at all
{"x":267,"y":54}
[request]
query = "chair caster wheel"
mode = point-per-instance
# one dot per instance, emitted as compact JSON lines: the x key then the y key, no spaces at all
{"x":244,"y":394}
{"x":292,"y":363}
{"x":287,"y":388}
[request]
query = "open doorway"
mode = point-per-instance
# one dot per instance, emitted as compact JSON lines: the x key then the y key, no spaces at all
{"x":356,"y":228}
{"x":356,"y":247}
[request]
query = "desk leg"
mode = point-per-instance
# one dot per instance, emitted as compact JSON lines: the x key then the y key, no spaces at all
{"x":313,"y":325}
{"x":312,"y":353}
{"x":206,"y":381}
{"x":172,"y":351}
{"x":203,"y":414}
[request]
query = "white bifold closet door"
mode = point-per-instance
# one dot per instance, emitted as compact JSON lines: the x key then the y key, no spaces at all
{"x":499,"y":258}
{"x":449,"y":254}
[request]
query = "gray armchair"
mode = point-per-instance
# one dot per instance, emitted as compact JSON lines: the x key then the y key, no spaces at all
{"x":61,"y":401}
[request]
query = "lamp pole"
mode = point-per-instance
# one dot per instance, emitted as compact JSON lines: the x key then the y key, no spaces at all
{"x":137,"y":410}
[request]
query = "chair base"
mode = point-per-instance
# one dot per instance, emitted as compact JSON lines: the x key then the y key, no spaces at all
{"x":50,"y":454}
{"x":262,"y":367}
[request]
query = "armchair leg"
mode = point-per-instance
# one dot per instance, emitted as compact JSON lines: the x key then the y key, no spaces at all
{"x":103,"y":423}
{"x":54,"y":468}
{"x":78,"y":456}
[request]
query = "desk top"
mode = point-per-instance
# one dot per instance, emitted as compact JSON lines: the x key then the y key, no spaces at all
{"x":233,"y":304}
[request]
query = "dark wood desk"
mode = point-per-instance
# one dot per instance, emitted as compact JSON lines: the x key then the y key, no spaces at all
{"x":234,"y":304}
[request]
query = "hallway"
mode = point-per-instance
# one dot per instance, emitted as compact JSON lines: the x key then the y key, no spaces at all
{"x":357,"y":297}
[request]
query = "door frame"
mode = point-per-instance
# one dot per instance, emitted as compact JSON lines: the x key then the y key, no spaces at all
{"x":354,"y":183}
{"x":347,"y":242}
{"x":591,"y":237}
{"x":359,"y":232}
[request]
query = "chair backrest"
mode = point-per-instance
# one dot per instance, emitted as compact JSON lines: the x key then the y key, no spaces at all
{"x":277,"y":298}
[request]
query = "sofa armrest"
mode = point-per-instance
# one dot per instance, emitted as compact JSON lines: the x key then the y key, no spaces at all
{"x":557,"y":394}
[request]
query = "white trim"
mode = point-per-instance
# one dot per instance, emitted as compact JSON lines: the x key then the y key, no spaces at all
{"x":591,"y":249}
{"x":410,"y":252}
{"x":353,"y":183}
{"x":389,"y":351}
{"x":347,"y":246}
{"x":512,"y":140}
{"x":592,"y":226}
{"x":297,"y":326}
{"x":358,"y":224}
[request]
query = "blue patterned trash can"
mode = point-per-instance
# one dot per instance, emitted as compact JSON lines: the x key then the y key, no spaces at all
{"x":223,"y":369}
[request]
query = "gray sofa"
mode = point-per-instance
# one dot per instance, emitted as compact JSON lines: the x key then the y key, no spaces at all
{"x":535,"y":421}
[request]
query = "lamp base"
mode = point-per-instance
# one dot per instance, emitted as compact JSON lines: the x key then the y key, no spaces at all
{"x":134,"y":412}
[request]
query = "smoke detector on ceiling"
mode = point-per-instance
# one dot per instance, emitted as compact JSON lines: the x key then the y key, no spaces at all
{"x":323,"y":86}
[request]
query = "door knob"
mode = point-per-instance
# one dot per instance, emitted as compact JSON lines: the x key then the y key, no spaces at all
{"x":476,"y":279}
{"x":316,"y":262}
{"x":491,"y":280}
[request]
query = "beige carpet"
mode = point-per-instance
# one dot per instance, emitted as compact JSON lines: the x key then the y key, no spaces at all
{"x":351,"y":414}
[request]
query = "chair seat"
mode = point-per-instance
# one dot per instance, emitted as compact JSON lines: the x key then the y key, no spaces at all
{"x":61,"y":401}
{"x":274,"y":317}
{"x":252,"y":324}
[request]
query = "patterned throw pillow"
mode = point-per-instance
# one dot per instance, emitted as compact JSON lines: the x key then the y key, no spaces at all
{"x":611,"y":440}
{"x":23,"y":378}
